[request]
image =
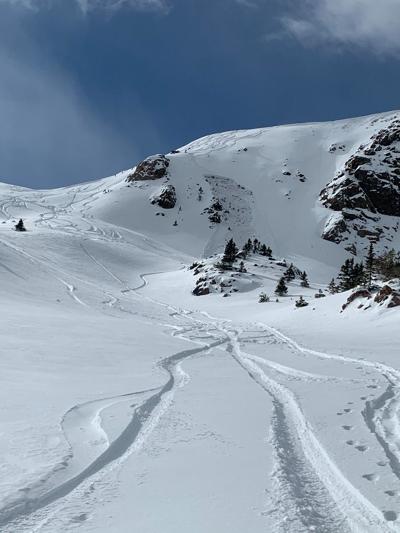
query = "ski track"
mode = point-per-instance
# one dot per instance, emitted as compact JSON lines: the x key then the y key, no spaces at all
{"x":320,"y":497}
{"x":295,"y":373}
{"x":312,"y":494}
{"x":145,"y":419}
{"x":382,"y":414}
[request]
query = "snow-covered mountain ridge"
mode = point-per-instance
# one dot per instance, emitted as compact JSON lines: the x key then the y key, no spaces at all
{"x":288,"y":185}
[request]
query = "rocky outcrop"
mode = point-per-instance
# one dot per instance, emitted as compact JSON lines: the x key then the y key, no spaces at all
{"x":361,"y":293}
{"x":165,"y":197}
{"x":365,"y":191}
{"x":214,"y":211}
{"x":386,"y":296}
{"x":201,"y":289}
{"x":389,"y":295}
{"x":152,"y":168}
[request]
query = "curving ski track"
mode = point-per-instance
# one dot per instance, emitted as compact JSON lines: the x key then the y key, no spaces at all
{"x":36,"y":499}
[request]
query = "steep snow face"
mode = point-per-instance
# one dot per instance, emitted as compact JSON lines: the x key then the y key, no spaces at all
{"x":263,"y":183}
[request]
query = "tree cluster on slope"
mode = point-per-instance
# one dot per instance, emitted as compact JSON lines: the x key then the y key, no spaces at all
{"x":352,"y":274}
{"x":387,"y":265}
{"x":290,"y":275}
{"x":256,"y":247}
{"x":232,"y":253}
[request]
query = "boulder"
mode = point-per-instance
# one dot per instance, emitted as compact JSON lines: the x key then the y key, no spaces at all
{"x":395,"y":300}
{"x":152,"y":168}
{"x":201,"y":290}
{"x":165,"y":198}
{"x":387,"y":293}
{"x":360,"y":293}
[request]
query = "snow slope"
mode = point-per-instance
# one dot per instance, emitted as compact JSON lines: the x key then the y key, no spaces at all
{"x":128,"y":404}
{"x":268,"y":179}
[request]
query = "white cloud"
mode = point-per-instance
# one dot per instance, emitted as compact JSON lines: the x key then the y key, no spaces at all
{"x":371,"y":24}
{"x":88,"y":5}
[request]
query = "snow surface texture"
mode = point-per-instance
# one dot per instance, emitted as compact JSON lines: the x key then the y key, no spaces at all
{"x":128,"y":404}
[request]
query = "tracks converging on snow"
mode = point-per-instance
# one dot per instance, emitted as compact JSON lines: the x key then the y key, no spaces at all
{"x":311,"y":491}
{"x":145,"y":417}
{"x":313,"y":494}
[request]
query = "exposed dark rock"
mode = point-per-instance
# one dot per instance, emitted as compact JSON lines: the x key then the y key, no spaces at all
{"x":395,"y":300}
{"x":368,"y":186}
{"x":361,"y":293}
{"x":355,"y":162}
{"x":383,"y":294}
{"x":335,"y":147}
{"x":320,"y":294}
{"x":201,"y":290}
{"x":214,"y":211}
{"x":165,"y":198}
{"x":389,"y":295}
{"x":152,"y":168}
{"x":335,"y":229}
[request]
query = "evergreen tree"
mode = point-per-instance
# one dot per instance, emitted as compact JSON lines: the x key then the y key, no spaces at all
{"x":290,"y":275}
{"x":351,"y":274}
{"x":256,"y":246}
{"x":359,"y":276}
{"x":301,"y":302}
{"x":332,"y":287}
{"x":281,"y":288}
{"x":200,"y":194}
{"x":241,"y":267}
{"x":20,"y":226}
{"x":247,"y":247}
{"x":388,"y":265}
{"x":346,"y":275}
{"x":263,"y":298}
{"x":265,"y":250}
{"x":304,"y":279}
{"x":230,"y":252}
{"x":369,"y":263}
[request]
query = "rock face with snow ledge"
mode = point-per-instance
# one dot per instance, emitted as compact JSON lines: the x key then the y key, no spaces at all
{"x":152,"y":168}
{"x":367,"y":188}
{"x":165,"y":197}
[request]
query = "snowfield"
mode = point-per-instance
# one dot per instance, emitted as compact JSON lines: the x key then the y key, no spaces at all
{"x":128,"y":404}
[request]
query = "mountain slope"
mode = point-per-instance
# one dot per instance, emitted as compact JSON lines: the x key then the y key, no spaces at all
{"x":127,"y":400}
{"x":266,"y":183}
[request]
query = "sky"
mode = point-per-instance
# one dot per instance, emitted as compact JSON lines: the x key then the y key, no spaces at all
{"x":91,"y":87}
